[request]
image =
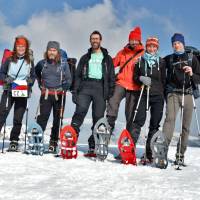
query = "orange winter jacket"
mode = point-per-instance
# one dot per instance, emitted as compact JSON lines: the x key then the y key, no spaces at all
{"x":125,"y":75}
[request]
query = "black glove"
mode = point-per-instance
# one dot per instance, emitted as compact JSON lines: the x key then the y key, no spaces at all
{"x":74,"y":97}
{"x":9,"y":79}
{"x":65,"y":87}
{"x":145,"y":80}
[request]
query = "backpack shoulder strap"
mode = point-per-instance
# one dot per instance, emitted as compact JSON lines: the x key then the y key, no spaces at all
{"x":19,"y":69}
{"x":63,"y":64}
{"x":63,"y":68}
{"x":171,"y":59}
{"x":190,"y":57}
{"x":133,"y":56}
{"x":43,"y":65}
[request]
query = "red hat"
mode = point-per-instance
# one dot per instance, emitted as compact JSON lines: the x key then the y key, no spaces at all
{"x":152,"y":41}
{"x":21,"y":41}
{"x":135,"y":34}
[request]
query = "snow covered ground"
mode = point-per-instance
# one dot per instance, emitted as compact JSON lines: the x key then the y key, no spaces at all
{"x":46,"y":177}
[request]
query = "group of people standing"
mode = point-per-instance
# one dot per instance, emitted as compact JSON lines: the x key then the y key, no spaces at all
{"x":141,"y":69}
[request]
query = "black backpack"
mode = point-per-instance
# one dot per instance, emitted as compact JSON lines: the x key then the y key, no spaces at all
{"x":72,"y":67}
{"x":193,"y":51}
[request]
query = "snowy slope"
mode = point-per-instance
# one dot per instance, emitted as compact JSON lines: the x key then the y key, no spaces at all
{"x":46,"y":177}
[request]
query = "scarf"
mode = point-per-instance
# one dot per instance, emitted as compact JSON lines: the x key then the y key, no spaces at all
{"x":151,"y":60}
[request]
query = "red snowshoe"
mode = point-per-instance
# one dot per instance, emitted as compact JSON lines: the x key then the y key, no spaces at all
{"x":68,"y":139}
{"x":127,"y":148}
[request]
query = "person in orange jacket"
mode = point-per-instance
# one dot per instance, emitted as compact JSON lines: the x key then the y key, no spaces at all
{"x":125,"y":84}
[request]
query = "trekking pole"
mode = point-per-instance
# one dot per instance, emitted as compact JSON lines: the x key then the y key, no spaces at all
{"x":26,"y":126}
{"x":4,"y":131}
{"x":37,"y":111}
{"x":146,"y":126}
{"x":136,"y":110}
{"x":195,"y":111}
{"x":62,"y":110}
{"x":182,"y":108}
{"x":62,"y":107}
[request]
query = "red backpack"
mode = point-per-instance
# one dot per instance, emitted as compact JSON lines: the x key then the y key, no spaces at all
{"x":6,"y":54}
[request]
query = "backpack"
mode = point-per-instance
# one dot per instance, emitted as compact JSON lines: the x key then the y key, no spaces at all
{"x":72,"y":65}
{"x":193,"y":51}
{"x":6,"y":54}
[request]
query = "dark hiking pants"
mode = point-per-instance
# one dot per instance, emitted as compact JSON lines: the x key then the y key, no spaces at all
{"x":91,"y":92}
{"x":6,"y":104}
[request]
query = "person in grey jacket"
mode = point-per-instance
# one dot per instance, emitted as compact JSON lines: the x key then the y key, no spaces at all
{"x":54,"y":79}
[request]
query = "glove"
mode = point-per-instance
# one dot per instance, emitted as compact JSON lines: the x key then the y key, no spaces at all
{"x":145,"y":80}
{"x":65,"y":87}
{"x":74,"y":97}
{"x":29,"y":81}
{"x":9,"y":80}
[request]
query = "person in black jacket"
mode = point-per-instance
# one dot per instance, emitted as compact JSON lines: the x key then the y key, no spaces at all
{"x":18,"y":68}
{"x":182,"y":73}
{"x":94,"y":83}
{"x":150,"y":72}
{"x":54,"y":79}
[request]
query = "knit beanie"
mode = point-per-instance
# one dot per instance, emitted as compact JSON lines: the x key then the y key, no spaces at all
{"x":135,"y":34}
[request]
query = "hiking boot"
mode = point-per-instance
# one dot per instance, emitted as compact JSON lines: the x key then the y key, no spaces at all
{"x":145,"y":160}
{"x":53,"y":146}
{"x":179,"y":159}
{"x":13,"y":147}
{"x":90,"y":153}
{"x":118,"y":157}
{"x":111,"y":122}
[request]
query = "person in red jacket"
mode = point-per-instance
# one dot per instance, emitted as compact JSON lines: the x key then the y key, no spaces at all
{"x":125,"y":85}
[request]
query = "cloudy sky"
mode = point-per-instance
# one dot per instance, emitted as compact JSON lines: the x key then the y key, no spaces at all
{"x":71,"y":21}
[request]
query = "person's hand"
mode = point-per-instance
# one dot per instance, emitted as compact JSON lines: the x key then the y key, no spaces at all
{"x":74,"y":97}
{"x":188,"y":70}
{"x":9,"y":80}
{"x":145,"y":80}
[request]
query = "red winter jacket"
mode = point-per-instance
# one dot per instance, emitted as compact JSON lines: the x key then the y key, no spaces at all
{"x":125,"y":76}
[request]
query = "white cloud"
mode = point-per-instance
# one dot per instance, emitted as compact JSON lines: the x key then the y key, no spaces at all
{"x":71,"y":28}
